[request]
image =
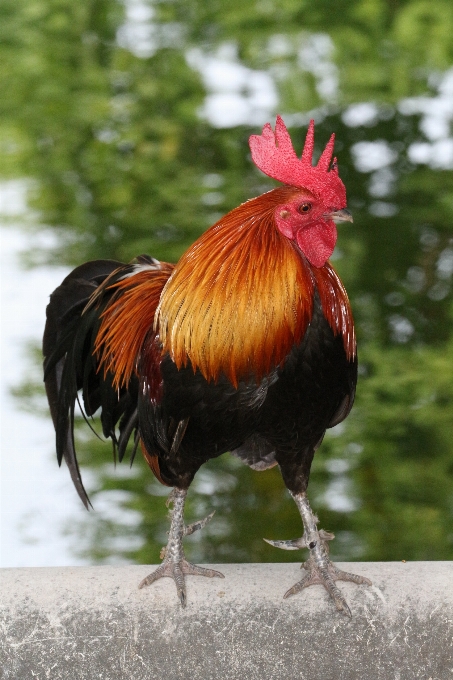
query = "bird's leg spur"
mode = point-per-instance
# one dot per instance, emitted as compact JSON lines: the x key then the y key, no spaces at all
{"x":174,"y":563}
{"x":319,"y":568}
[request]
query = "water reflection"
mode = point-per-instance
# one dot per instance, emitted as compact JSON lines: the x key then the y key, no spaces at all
{"x":36,"y":497}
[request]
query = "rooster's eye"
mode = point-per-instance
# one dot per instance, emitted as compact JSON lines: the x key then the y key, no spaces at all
{"x":304,"y":208}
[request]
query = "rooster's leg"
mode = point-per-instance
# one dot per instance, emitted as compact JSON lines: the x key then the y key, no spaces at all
{"x":319,"y":568}
{"x":174,"y":563}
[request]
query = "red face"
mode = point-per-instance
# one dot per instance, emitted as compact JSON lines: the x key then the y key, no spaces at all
{"x":306,"y":220}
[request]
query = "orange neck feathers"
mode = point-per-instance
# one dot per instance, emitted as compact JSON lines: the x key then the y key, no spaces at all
{"x":242,"y":296}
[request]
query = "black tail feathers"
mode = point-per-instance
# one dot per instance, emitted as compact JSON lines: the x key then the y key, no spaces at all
{"x":69,"y":366}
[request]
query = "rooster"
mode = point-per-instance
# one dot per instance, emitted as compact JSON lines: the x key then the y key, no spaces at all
{"x":247,"y":345}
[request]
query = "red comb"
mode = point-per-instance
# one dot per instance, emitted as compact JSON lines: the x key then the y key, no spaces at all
{"x":273,"y":154}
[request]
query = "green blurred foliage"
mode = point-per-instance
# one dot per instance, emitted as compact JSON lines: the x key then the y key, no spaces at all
{"x":110,"y":132}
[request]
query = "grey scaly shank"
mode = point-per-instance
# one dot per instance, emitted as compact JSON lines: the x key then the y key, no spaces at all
{"x":174,"y":564}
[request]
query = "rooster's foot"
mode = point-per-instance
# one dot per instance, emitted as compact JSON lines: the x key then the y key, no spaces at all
{"x":320,"y":570}
{"x":176,"y":571}
{"x":174,"y":563}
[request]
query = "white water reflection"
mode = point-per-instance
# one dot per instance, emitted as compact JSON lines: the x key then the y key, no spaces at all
{"x":36,"y":497}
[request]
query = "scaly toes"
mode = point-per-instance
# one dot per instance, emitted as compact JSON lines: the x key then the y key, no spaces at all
{"x":176,"y":571}
{"x":313,"y":578}
{"x":160,"y":572}
{"x":195,"y":570}
{"x":327,"y":577}
{"x":346,"y":576}
{"x":172,"y":570}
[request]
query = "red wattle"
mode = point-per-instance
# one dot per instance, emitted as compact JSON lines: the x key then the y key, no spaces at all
{"x":317,"y":242}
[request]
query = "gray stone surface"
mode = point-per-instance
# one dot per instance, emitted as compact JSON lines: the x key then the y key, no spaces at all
{"x":87,"y":623}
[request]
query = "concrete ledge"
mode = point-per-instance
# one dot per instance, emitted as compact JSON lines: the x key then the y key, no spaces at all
{"x":87,"y":623}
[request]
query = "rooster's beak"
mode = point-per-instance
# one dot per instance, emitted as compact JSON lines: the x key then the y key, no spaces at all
{"x":339,"y":216}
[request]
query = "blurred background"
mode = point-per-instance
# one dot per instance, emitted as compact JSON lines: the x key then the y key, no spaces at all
{"x":123,"y":130}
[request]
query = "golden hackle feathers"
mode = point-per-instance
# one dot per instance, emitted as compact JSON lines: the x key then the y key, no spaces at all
{"x":239,"y":298}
